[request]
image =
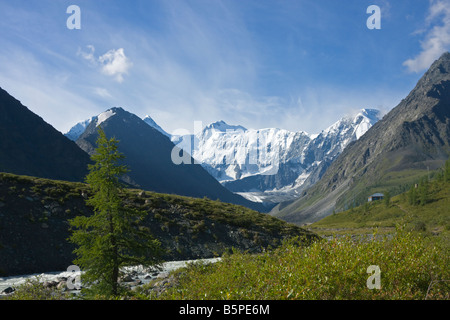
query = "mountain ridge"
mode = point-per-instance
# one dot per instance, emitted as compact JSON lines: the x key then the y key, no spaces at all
{"x":34,"y":214}
{"x":271,"y":164}
{"x":411,"y":139}
{"x":31,"y":146}
{"x":233,"y":154}
{"x":148,"y":154}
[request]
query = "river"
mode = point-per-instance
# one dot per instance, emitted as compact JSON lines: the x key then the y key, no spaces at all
{"x":141,"y":273}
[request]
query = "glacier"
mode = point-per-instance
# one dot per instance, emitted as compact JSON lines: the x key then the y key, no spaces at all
{"x":272,"y":164}
{"x":266,"y":165}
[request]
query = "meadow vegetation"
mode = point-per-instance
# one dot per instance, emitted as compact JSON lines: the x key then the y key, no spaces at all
{"x":411,"y":268}
{"x":409,"y":243}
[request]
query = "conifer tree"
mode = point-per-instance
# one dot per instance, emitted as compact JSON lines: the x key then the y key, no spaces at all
{"x":387,"y":198}
{"x":113,"y":237}
{"x":447,"y":171}
{"x":423,"y":191}
{"x":412,"y":194}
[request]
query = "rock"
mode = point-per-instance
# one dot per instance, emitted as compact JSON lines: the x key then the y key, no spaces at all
{"x":8,"y":290}
{"x":62,"y":285}
{"x":49,"y":284}
{"x":162,"y":275}
{"x":53,"y":207}
{"x":56,"y":210}
{"x":134,"y":283}
{"x":126,"y":278}
{"x":44,"y":225}
{"x":29,"y":199}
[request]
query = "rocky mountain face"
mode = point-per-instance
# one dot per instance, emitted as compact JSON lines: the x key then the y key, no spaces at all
{"x":150,"y":157}
{"x":271,"y":165}
{"x":267,"y":165}
{"x":411,"y":139}
{"x":77,"y":130}
{"x":34,"y":226}
{"x":30,"y":146}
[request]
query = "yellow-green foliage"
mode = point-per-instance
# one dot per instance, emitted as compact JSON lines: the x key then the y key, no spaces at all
{"x":33,"y":289}
{"x":432,"y":217}
{"x":334,"y":269}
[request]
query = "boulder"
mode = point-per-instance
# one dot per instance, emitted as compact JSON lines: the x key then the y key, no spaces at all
{"x":8,"y":290}
{"x":49,"y":284}
{"x":62,"y":285}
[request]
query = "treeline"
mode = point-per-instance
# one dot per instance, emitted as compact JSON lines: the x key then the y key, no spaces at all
{"x":419,"y":193}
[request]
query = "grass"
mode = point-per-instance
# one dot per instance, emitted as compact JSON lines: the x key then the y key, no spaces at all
{"x":198,"y":210}
{"x":411,"y":266}
{"x":413,"y":259}
{"x":334,"y":269}
{"x":433,"y":218}
{"x":193,"y":209}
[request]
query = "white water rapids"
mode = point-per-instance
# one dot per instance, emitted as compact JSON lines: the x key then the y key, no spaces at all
{"x":142,"y":274}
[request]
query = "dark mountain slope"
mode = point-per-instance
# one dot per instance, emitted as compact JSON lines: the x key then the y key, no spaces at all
{"x":148,"y":156}
{"x":411,"y":139}
{"x":30,"y":146}
{"x":34,"y":228}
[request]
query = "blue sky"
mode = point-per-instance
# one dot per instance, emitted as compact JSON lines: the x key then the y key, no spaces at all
{"x":292,"y":64}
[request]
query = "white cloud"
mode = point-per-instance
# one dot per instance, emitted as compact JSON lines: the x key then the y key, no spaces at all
{"x":437,"y":38}
{"x":102,"y":92}
{"x":89,"y":56}
{"x":115,"y":63}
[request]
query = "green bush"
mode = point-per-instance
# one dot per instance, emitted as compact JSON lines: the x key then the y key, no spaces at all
{"x":33,"y":289}
{"x":334,"y":269}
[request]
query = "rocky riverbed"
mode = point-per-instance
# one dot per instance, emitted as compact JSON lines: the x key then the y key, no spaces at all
{"x":133,"y":278}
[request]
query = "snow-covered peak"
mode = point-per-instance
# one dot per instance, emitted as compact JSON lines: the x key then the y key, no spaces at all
{"x":232,"y":152}
{"x":148,"y":120}
{"x":358,"y":123}
{"x":222,"y":126}
{"x":364,"y":120}
{"x":77,"y":130}
{"x":372,"y":114}
{"x":102,"y":117}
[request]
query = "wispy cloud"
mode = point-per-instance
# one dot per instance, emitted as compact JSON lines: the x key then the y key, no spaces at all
{"x":102,"y":92}
{"x":244,"y":62}
{"x":46,"y":92}
{"x":437,"y":37}
{"x":88,"y":56}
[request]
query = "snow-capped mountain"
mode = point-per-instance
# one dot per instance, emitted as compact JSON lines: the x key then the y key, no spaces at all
{"x":272,"y":164}
{"x":148,"y":156}
{"x":265,"y":165}
{"x":153,"y":124}
{"x":77,"y":130}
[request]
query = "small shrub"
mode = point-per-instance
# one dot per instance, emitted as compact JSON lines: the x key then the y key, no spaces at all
{"x":33,"y":289}
{"x":334,"y":269}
